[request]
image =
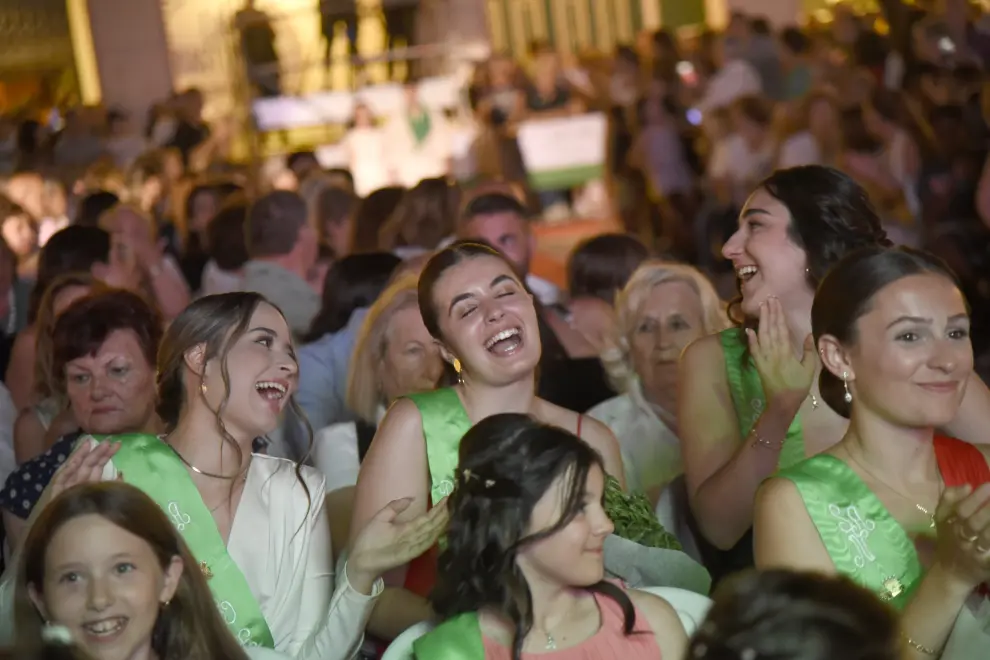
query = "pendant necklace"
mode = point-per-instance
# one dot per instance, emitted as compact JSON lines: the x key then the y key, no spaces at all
{"x":892,"y":587}
{"x":929,"y":514}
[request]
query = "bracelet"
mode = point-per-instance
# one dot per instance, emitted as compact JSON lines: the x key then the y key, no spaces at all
{"x":760,"y":441}
{"x":921,"y":648}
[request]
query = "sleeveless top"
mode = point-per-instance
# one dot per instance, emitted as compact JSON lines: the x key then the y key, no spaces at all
{"x":445,"y":421}
{"x":460,"y":638}
{"x":863,"y":540}
{"x":748,"y":401}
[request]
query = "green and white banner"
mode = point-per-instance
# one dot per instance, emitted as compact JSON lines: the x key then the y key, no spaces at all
{"x":564,"y":152}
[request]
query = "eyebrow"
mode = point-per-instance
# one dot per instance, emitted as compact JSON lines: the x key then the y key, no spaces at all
{"x":921,"y":319}
{"x":465,"y":296}
{"x":264,"y":329}
{"x":754,"y":211}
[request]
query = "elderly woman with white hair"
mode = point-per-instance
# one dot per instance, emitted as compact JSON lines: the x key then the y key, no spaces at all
{"x":394,"y":356}
{"x":662,"y":309}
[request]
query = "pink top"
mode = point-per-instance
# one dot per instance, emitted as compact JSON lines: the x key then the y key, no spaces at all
{"x":609,"y":642}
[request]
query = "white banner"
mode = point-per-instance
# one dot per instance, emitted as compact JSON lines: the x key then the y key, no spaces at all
{"x":564,"y":152}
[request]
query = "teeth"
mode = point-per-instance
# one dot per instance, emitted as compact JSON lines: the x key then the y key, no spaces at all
{"x":271,"y":385}
{"x":505,"y":334}
{"x":105,"y":627}
{"x":746,"y":271}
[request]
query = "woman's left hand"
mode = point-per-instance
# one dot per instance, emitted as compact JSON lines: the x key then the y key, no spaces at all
{"x":385,"y":544}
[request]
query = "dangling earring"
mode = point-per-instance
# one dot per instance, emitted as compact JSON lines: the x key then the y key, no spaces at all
{"x":456,"y":364}
{"x":848,"y":397}
{"x":203,"y":389}
{"x":165,"y":603}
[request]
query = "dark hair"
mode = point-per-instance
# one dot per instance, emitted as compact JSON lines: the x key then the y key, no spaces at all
{"x":761,"y":26}
{"x":190,"y":625}
{"x":600,"y":267}
{"x":455,"y":253}
{"x":42,"y":649}
{"x":334,"y":204}
{"x":755,"y":109}
{"x":199,"y":190}
{"x":847,"y":292}
{"x":301,"y":159}
{"x":86,"y":324}
{"x":215,"y":322}
{"x":373,"y":213}
{"x":75,"y":249}
{"x":44,"y":386}
{"x":855,"y":136}
{"x":225,"y":240}
{"x":94,"y":205}
{"x":795,"y":40}
{"x":831,"y":215}
{"x":423,"y":218}
{"x":492,"y":203}
{"x":351,"y":283}
{"x":507,"y":462}
{"x":274,"y":222}
{"x":786,"y":615}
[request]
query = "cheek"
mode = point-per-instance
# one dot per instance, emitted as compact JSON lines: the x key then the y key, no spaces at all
{"x":640,"y":345}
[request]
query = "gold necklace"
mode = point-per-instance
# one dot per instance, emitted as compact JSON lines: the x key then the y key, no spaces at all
{"x":931,"y":515}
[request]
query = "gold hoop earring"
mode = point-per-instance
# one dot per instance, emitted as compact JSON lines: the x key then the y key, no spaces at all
{"x":848,"y":397}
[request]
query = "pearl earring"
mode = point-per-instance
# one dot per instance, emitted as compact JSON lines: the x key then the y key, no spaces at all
{"x":848,"y":397}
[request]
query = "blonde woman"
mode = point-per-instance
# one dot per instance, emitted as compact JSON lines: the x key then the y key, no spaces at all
{"x":394,"y":356}
{"x":663,"y":308}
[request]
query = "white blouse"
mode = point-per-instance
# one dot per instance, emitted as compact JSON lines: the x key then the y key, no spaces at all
{"x":281,"y":542}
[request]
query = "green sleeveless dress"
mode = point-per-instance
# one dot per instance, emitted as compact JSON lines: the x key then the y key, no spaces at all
{"x":444,"y":424}
{"x":748,"y":397}
{"x":864,"y":541}
{"x":749,"y":401}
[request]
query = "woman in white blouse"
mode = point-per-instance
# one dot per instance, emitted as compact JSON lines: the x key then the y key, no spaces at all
{"x":420,"y":142}
{"x":662,"y":309}
{"x":256,"y":524}
{"x":394,"y":356}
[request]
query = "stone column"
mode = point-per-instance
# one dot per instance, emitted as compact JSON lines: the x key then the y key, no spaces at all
{"x":127,"y":38}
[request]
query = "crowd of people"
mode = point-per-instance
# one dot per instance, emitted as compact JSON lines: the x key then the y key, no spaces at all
{"x":298,"y":417}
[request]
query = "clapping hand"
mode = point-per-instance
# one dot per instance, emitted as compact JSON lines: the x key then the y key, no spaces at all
{"x":783,"y":375}
{"x":963,"y":525}
{"x":385,"y":544}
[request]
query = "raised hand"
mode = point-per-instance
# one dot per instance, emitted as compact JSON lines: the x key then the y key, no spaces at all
{"x":385,"y":544}
{"x":783,"y":375}
{"x":962,"y":520}
{"x":84,"y":465}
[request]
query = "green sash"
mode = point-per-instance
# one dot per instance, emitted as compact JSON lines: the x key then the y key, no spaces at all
{"x":864,"y":541}
{"x":749,"y":399}
{"x":458,"y":638}
{"x":444,"y":424}
{"x":151,"y":465}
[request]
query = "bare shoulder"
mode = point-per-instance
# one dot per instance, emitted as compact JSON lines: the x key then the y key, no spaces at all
{"x":663,"y":621}
{"x":784,"y":535}
{"x":660,"y":614}
{"x":704,"y":356}
{"x":402,"y":425}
